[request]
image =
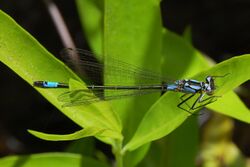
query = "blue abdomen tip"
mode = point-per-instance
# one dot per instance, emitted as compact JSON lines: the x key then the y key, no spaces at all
{"x":51,"y":84}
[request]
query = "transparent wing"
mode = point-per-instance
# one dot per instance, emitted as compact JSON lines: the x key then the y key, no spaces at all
{"x":87,"y":96}
{"x":120,"y":72}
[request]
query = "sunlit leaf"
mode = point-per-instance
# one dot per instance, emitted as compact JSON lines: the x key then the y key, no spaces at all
{"x":26,"y":57}
{"x":163,"y":117}
{"x":50,"y":160}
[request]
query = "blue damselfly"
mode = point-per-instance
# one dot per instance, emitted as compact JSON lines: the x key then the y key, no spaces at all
{"x":147,"y":82}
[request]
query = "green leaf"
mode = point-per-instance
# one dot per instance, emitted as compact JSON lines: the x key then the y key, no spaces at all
{"x":175,"y":49}
{"x":164,"y":117}
{"x":50,"y":160}
{"x":56,"y":137}
{"x":91,"y":16}
{"x":26,"y":57}
{"x":86,"y":132}
{"x":231,"y":105}
{"x":238,"y":72}
{"x":137,"y":41}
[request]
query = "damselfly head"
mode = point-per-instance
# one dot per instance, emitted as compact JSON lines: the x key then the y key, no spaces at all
{"x":210,"y":85}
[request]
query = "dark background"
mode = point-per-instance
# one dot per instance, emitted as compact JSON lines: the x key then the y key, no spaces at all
{"x":220,"y":29}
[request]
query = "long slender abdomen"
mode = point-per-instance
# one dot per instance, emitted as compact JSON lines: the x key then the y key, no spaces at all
{"x":49,"y":84}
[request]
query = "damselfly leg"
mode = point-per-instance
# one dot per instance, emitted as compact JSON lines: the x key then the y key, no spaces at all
{"x":184,"y":101}
{"x":207,"y":101}
{"x":199,"y":102}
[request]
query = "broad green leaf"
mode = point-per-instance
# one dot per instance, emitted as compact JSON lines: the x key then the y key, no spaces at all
{"x":91,"y":16}
{"x":175,"y":49}
{"x":163,"y":117}
{"x":231,"y":105}
{"x":50,"y":160}
{"x":25,"y":56}
{"x":168,"y":149}
{"x":180,"y":60}
{"x":137,"y":41}
{"x":160,"y":122}
{"x":238,"y":70}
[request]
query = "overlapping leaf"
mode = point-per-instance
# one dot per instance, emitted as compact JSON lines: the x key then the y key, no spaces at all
{"x":25,"y":56}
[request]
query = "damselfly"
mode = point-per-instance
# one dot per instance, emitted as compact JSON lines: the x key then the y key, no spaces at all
{"x":148,"y":82}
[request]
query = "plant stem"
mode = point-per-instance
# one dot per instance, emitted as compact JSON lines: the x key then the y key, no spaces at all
{"x":119,"y":160}
{"x":118,"y":155}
